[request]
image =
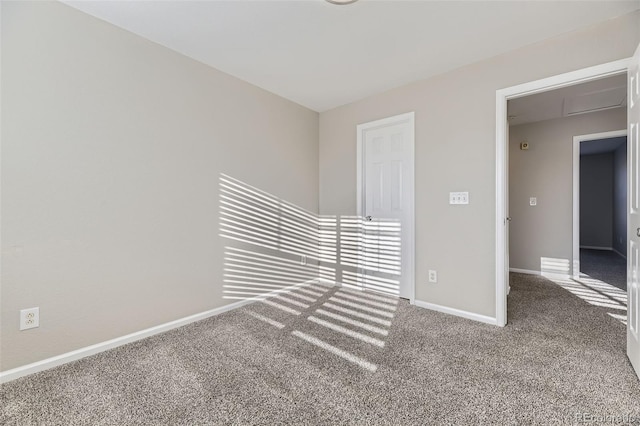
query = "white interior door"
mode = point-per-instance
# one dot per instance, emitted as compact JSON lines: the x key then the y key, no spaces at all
{"x":633,"y":287}
{"x":386,"y":262}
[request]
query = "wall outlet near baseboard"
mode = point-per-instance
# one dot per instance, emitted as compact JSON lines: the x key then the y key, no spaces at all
{"x":433,"y":276}
{"x":29,"y":318}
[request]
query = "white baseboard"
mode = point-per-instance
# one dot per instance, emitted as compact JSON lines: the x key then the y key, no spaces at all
{"x":550,"y":275}
{"x":597,"y":248}
{"x":328,"y":282}
{"x":457,"y":312}
{"x":45,"y":364}
{"x":624,"y":256}
{"x":57,"y":360}
{"x":553,"y":276}
{"x":525,"y":271}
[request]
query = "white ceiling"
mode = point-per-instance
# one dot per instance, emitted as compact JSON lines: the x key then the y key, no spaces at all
{"x":598,"y":95}
{"x":322,"y":55}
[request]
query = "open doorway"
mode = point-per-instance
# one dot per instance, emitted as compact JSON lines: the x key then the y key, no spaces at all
{"x":549,"y":182}
{"x":503,"y":217}
{"x":631,"y":68}
{"x":562,"y":197}
{"x":567,"y":193}
{"x":544,"y":174}
{"x":600,"y":208}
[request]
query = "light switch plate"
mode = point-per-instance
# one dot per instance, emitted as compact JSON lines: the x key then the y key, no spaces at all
{"x":533,"y":201}
{"x":458,"y":198}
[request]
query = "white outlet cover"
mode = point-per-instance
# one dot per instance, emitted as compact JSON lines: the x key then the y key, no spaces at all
{"x":29,"y":318}
{"x":433,"y":276}
{"x":533,"y":201}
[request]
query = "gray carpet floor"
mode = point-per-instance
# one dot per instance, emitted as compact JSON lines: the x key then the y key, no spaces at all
{"x":604,"y":265}
{"x":378,"y":363}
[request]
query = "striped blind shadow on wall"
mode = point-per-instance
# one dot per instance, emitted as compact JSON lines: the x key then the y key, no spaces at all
{"x":274,"y":244}
{"x":554,"y":266}
{"x":283,"y":256}
{"x":370,"y":254}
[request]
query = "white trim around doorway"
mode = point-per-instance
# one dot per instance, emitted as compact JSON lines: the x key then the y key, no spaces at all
{"x":502,"y":184}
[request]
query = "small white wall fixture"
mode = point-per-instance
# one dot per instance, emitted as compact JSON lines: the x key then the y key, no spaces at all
{"x":502,"y":184}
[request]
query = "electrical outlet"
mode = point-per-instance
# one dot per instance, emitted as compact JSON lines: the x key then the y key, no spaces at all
{"x":433,"y":276}
{"x":29,"y":318}
{"x":303,"y":260}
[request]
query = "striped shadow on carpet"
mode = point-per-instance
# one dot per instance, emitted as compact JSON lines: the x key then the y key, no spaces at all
{"x":322,"y":355}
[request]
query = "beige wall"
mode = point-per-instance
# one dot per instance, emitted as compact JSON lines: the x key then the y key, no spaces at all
{"x":455,"y":151}
{"x":112,"y":148}
{"x":545,"y":171}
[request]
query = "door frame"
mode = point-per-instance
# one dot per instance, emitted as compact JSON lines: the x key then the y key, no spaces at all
{"x":575,"y":264}
{"x":502,"y":178}
{"x":408,"y":117}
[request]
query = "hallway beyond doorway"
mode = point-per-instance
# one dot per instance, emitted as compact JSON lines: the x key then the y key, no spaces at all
{"x":606,"y":266}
